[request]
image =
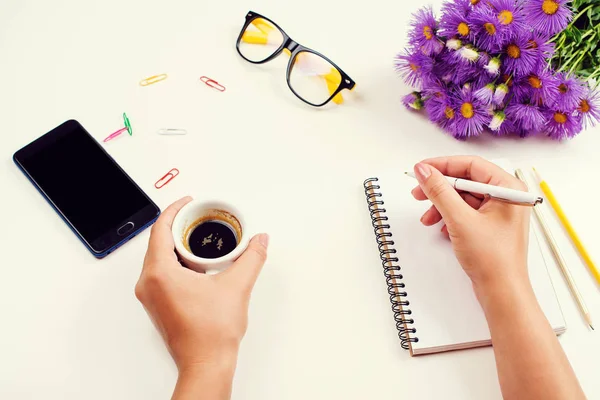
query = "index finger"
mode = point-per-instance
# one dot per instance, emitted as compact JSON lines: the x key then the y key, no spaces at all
{"x":161,"y":238}
{"x":476,"y":169}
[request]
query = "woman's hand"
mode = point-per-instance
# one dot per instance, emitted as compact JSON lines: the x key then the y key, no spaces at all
{"x":490,"y":238}
{"x":202,"y":318}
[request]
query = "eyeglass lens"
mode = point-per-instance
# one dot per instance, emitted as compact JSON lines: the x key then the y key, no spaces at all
{"x":260,"y":40}
{"x":313,"y":78}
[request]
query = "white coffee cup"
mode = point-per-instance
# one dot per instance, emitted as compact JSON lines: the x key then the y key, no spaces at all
{"x":197,"y":211}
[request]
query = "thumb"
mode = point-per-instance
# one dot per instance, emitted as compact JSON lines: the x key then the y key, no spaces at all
{"x":439,"y":191}
{"x":246,"y":269}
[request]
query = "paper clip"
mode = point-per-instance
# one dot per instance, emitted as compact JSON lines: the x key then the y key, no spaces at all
{"x":153,"y":79}
{"x":212,"y":83}
{"x":127,"y":128}
{"x":162,"y":182}
{"x":171,"y":131}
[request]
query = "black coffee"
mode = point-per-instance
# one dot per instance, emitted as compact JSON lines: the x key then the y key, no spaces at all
{"x":212,"y":239}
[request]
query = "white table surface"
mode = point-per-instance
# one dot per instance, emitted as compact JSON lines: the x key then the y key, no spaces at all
{"x":320,"y":320}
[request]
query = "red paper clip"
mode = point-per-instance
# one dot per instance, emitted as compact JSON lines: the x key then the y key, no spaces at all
{"x":212,"y":83}
{"x":162,"y":182}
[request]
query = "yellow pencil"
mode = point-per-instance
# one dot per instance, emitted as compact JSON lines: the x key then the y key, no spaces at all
{"x":568,"y":227}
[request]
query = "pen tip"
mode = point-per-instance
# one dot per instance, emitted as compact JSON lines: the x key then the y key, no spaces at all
{"x":592,"y":327}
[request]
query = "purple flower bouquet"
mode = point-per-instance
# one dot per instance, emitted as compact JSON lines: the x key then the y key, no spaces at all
{"x":485,"y":66}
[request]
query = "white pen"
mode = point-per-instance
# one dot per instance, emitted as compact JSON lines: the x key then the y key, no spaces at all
{"x":512,"y":196}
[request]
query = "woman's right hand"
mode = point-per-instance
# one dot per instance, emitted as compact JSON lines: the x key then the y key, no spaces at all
{"x":490,"y":238}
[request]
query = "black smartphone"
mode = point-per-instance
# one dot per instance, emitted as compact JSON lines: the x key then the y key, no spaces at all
{"x":101,"y":204}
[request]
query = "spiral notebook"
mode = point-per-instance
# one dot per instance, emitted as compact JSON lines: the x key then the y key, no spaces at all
{"x":432,"y":299}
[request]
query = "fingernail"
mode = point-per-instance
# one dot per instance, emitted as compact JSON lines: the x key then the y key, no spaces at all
{"x":263,"y":239}
{"x":423,"y":172}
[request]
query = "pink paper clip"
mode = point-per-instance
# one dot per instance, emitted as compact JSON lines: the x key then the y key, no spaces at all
{"x":162,"y":182}
{"x":127,"y":128}
{"x":212,"y":83}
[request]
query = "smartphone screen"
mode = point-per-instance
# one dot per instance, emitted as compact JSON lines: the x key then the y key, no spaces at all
{"x":87,"y":187}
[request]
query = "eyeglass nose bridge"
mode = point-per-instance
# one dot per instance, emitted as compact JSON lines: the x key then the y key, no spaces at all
{"x":290,"y":45}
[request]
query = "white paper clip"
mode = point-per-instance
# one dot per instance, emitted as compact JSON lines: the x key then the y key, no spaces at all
{"x":172,"y":131}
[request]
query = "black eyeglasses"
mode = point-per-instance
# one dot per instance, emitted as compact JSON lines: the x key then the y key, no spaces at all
{"x":312,"y":77}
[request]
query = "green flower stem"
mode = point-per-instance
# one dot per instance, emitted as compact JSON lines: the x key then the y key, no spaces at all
{"x":588,"y":33}
{"x":561,"y":41}
{"x":594,"y":75}
{"x":580,"y":59}
{"x":579,"y":15}
{"x":576,"y":48}
{"x":565,"y":65}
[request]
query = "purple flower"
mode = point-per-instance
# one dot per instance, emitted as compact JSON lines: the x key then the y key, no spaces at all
{"x":526,"y":117}
{"x":562,"y":125}
{"x":589,"y":108}
{"x":423,"y":34}
{"x":471,"y":115}
{"x":480,"y":80}
{"x":521,"y":91}
{"x":441,"y":110}
{"x":493,"y":66}
{"x":547,"y":16}
{"x":523,"y":133}
{"x":542,"y":46}
{"x":464,"y":75}
{"x":484,"y":59}
{"x":484,"y":66}
{"x":413,"y":101}
{"x":544,"y":86}
{"x":457,"y":67}
{"x":541,"y":88}
{"x":468,"y":54}
{"x":486,"y":93}
{"x":454,"y":22}
{"x":500,"y":94}
{"x":434,"y":89}
{"x":507,"y":128}
{"x":520,"y":59}
{"x":414,"y":67}
{"x":478,"y":3}
{"x":497,"y":121}
{"x":510,"y":15}
{"x":445,"y":65}
{"x":464,"y":55}
{"x":453,"y":44}
{"x":570,"y":92}
{"x":462,"y":6}
{"x":487,"y":29}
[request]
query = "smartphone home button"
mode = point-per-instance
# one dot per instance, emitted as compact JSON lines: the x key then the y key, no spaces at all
{"x":125,"y":229}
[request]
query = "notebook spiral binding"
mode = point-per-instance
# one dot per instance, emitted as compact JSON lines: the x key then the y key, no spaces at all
{"x":391,"y":268}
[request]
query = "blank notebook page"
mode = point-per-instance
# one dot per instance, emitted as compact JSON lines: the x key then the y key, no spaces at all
{"x":446,"y":313}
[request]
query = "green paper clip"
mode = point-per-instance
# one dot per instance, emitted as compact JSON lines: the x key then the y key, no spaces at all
{"x":127,"y":128}
{"x":127,"y":124}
